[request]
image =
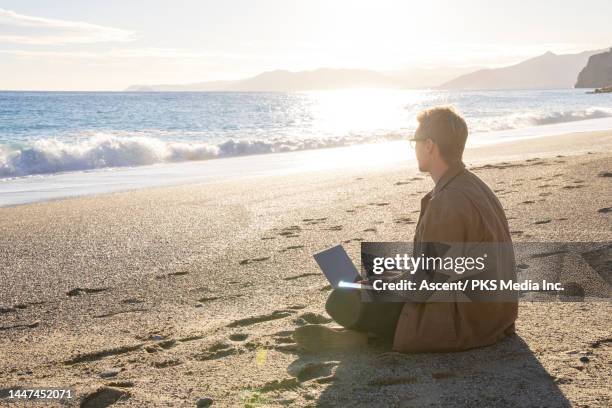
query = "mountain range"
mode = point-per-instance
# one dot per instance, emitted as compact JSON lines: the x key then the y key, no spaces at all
{"x":545,"y":71}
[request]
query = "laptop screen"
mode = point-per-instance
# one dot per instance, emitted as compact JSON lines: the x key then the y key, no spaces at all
{"x":336,"y":265}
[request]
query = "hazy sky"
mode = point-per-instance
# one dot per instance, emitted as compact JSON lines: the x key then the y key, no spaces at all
{"x":111,"y":44}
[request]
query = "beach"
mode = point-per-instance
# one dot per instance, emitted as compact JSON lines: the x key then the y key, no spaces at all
{"x":163,"y":296}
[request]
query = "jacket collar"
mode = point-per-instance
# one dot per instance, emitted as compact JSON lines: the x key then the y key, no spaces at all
{"x":449,"y":175}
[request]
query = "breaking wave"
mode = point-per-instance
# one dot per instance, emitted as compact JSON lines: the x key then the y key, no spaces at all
{"x":541,"y":118}
{"x":567,"y":116}
{"x":47,"y":156}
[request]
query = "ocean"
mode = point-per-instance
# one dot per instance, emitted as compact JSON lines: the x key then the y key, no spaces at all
{"x":63,"y":140}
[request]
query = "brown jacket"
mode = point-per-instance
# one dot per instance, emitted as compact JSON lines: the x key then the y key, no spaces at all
{"x":460,"y":208}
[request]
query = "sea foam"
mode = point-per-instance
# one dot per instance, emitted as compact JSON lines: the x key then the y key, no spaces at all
{"x":47,"y":156}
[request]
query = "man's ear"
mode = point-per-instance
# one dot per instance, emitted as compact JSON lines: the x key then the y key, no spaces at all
{"x":430,"y":146}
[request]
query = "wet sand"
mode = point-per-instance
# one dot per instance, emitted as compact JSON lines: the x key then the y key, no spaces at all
{"x":163,"y":296}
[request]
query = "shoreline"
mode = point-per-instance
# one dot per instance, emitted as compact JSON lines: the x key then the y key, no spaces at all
{"x":35,"y":189}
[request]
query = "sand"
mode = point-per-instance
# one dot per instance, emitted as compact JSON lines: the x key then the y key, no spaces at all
{"x":164,"y":296}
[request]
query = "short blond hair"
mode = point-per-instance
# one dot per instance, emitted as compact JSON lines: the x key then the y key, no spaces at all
{"x":446,"y":128}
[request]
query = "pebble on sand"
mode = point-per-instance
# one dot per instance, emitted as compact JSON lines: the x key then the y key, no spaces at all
{"x":113,"y":372}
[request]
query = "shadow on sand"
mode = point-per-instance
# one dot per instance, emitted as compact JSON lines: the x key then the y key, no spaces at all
{"x":507,"y":374}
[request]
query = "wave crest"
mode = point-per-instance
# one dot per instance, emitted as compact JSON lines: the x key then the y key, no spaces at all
{"x":47,"y":156}
{"x":550,"y":118}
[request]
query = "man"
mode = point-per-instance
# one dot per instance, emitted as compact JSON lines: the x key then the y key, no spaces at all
{"x":460,"y":209}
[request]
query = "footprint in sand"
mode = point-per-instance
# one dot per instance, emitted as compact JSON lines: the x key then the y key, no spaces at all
{"x":284,"y":338}
{"x":83,"y":291}
{"x":528,"y":202}
{"x":369,"y":230}
{"x":401,"y":183}
{"x":132,"y":301}
{"x":110,"y":314}
{"x":104,"y":397}
{"x":278,"y":314}
{"x":312,"y":318}
{"x":522,"y":266}
{"x":358,"y":239}
{"x":238,"y":336}
{"x":546,"y":254}
{"x":403,"y":220}
{"x":379,"y":204}
{"x":302,"y":275}
{"x":20,"y":326}
{"x":217,"y":351}
{"x":598,"y":343}
{"x":604,"y":174}
{"x":181,"y":273}
{"x":604,"y":210}
{"x":571,"y":187}
{"x":290,"y":232}
{"x":542,"y":222}
{"x":279,"y":385}
{"x":267,"y":238}
{"x":170,"y":275}
{"x":166,"y":363}
{"x":121,"y":384}
{"x":17,"y":307}
{"x":99,"y":355}
{"x":248,"y":261}
{"x":313,"y":371}
{"x":335,"y":228}
{"x":208,"y":299}
{"x":314,"y":221}
{"x":289,"y":248}
{"x":545,"y":194}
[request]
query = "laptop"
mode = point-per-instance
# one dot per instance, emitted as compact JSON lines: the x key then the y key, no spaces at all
{"x":338,"y":268}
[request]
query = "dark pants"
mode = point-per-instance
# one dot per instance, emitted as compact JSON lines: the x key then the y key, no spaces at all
{"x":347,"y":308}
